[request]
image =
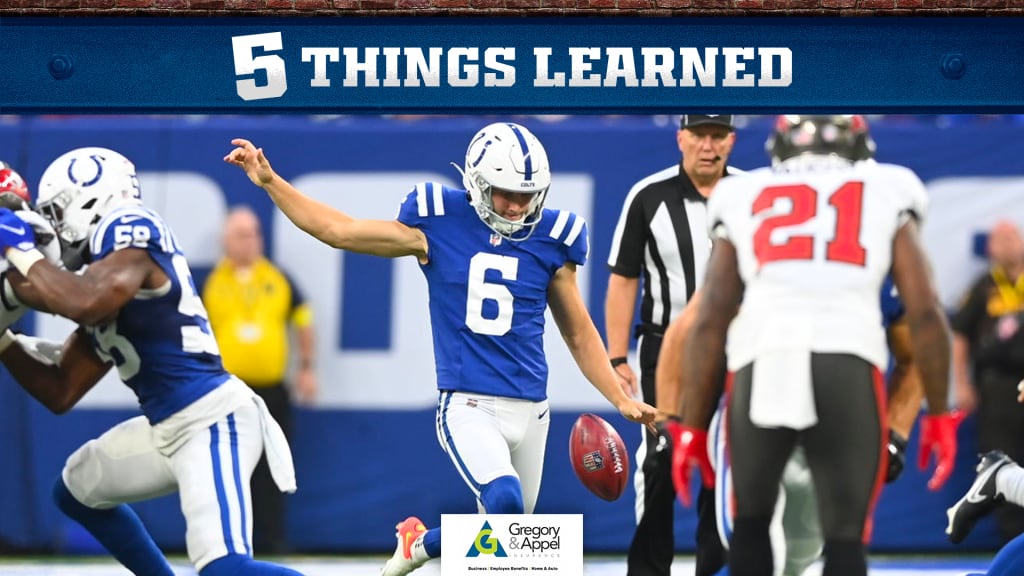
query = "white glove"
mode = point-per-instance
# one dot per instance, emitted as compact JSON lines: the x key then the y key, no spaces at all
{"x":45,"y":351}
{"x":11,"y":308}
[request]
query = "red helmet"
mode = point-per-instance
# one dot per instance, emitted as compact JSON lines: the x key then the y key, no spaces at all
{"x":12,"y":183}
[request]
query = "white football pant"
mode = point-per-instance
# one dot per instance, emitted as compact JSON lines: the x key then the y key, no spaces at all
{"x":488,"y":437}
{"x":210,"y":469}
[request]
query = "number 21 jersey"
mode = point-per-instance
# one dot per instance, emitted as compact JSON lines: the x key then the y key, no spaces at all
{"x":814,"y":245}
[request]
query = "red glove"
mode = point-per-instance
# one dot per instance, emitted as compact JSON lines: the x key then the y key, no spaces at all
{"x":938,"y":437}
{"x":689,"y":448}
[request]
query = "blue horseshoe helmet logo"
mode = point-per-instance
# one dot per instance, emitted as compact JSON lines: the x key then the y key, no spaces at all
{"x":99,"y":171}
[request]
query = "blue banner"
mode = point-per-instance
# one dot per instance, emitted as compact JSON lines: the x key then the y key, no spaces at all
{"x":580,"y":65}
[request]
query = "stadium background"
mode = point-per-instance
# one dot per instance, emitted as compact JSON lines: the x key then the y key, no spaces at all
{"x":365,"y":454}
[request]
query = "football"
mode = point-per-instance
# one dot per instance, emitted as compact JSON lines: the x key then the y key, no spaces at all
{"x":599,"y":457}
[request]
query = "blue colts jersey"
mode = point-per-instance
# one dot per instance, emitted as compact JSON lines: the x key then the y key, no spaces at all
{"x":488,"y":294}
{"x":160,"y":341}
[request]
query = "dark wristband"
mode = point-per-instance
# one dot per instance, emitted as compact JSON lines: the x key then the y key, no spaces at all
{"x":619,"y":361}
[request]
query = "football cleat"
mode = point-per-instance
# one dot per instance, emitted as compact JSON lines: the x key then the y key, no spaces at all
{"x":402,"y":562}
{"x":981,"y":498}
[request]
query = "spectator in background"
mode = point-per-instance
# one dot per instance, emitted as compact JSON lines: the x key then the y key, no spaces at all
{"x":988,"y":355}
{"x":252,"y":303}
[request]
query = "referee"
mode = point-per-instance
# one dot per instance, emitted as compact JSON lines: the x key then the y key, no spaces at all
{"x":662,"y":235}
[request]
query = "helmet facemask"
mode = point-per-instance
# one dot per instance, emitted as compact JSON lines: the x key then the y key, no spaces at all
{"x":74,"y":239}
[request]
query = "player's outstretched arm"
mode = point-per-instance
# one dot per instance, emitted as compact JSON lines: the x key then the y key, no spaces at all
{"x":704,"y":357}
{"x":930,"y":336}
{"x":668,"y":377}
{"x":388,"y":238}
{"x":689,"y":445}
{"x":584,"y":342}
{"x":57,"y":386}
{"x":929,"y":330}
{"x":90,"y":298}
{"x":905,"y":389}
{"x":905,"y":396}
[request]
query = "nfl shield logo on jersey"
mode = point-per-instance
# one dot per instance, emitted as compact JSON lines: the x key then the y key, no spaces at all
{"x":495,"y":239}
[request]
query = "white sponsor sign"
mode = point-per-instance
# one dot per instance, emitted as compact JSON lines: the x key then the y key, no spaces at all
{"x":475,"y":544}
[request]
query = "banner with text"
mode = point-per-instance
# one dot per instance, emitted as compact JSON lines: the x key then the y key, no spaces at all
{"x":536,"y":65}
{"x":476,"y":544}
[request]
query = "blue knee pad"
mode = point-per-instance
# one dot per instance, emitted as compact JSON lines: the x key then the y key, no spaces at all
{"x":502,"y":495}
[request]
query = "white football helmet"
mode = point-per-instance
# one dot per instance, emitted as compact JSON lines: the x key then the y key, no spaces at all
{"x":78,"y":189}
{"x":508,"y":157}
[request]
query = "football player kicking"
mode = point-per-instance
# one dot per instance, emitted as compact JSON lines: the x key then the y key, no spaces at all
{"x":805,"y":247}
{"x":202,"y":430}
{"x":494,"y":258}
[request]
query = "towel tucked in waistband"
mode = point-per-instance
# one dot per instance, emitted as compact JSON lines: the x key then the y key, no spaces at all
{"x":275,"y":447}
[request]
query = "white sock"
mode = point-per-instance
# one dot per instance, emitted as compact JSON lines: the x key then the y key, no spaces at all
{"x":419,"y":553}
{"x":1010,"y":483}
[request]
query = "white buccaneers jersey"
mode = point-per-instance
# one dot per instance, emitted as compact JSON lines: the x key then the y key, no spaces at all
{"x":814,"y":245}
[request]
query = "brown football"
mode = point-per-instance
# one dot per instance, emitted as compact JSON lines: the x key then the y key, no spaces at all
{"x":599,"y":457}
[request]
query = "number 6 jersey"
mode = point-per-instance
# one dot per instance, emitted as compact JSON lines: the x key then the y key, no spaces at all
{"x":488,"y":294}
{"x":813,"y":244}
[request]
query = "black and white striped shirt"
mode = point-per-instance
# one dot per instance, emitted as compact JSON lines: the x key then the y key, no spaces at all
{"x":662,"y":234}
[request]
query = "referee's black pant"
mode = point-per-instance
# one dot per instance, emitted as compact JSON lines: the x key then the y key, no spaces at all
{"x":653,"y":545}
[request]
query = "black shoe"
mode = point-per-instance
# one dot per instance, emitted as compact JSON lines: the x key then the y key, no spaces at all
{"x":980,"y":499}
